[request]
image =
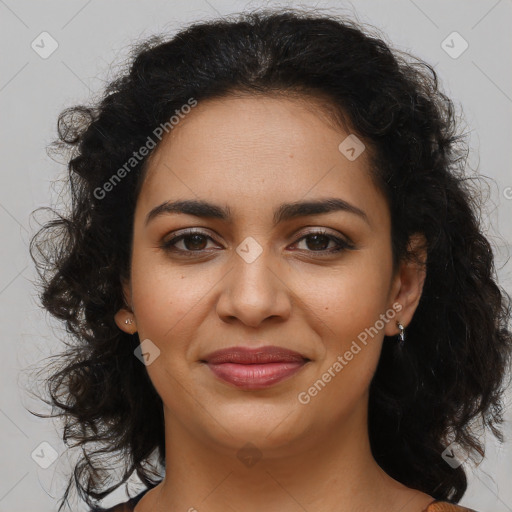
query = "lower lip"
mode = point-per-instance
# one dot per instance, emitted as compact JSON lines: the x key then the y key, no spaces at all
{"x":255,"y":376}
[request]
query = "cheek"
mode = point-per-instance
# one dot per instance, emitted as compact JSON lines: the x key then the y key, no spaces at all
{"x":349,"y":304}
{"x":349,"y":299}
{"x":166,"y":301}
{"x":165,"y":295}
{"x":352,"y":342}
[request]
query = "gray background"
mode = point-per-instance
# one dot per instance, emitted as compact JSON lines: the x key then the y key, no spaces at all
{"x":93,"y":39}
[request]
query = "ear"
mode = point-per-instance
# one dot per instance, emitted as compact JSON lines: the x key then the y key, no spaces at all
{"x":125,"y":317}
{"x":407,"y":285}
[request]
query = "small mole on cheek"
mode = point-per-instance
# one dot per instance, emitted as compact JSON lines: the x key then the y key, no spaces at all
{"x":326,"y":308}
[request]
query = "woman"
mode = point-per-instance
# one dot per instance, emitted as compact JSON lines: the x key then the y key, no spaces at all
{"x":275,"y":276}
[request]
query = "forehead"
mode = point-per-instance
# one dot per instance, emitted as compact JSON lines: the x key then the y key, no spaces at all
{"x":254,"y":152}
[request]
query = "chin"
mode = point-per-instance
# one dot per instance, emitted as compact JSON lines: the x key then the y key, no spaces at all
{"x":266,"y":427}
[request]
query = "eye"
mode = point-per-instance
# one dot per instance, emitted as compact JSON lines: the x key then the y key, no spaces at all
{"x":192,"y":241}
{"x":319,"y":242}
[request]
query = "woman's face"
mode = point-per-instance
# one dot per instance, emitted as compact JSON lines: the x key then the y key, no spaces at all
{"x":266,"y":274}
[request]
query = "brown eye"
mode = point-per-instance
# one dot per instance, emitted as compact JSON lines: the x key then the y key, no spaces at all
{"x":192,"y":241}
{"x":319,"y":242}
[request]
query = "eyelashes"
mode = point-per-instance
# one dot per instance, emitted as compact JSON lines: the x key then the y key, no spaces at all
{"x":196,"y":237}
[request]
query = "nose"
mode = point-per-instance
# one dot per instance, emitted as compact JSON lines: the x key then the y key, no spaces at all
{"x":253,"y":292}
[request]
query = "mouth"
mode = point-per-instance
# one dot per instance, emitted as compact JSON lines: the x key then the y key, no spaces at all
{"x":255,"y":368}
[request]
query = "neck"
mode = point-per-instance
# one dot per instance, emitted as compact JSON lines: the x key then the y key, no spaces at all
{"x":332,"y":469}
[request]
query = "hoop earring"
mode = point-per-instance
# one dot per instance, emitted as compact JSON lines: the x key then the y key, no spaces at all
{"x":401,"y":335}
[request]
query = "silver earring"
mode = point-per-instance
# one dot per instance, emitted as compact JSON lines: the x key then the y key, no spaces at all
{"x":401,"y":336}
{"x":128,"y":321}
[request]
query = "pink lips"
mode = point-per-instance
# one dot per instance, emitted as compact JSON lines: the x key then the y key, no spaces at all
{"x":255,"y":368}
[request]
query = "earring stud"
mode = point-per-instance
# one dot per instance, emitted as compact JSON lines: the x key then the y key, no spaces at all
{"x":401,"y":335}
{"x":128,"y":321}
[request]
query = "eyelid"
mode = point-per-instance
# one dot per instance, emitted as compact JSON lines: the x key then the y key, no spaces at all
{"x":319,"y":230}
{"x":186,"y":231}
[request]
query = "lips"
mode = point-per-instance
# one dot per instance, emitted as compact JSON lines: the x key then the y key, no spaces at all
{"x":255,"y":368}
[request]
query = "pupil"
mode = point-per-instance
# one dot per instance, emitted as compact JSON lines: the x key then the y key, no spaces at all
{"x":196,"y":240}
{"x":317,"y":238}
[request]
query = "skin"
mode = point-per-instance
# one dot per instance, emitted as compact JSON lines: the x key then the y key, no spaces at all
{"x":252,"y":154}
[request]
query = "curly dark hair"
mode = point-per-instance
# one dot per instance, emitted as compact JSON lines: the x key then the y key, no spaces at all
{"x":451,"y":372}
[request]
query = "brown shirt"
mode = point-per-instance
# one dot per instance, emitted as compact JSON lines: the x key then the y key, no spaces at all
{"x":444,"y":506}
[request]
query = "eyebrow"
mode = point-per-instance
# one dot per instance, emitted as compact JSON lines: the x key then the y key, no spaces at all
{"x":285,"y":212}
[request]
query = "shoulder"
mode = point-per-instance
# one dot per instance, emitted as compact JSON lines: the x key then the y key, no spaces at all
{"x":445,"y":506}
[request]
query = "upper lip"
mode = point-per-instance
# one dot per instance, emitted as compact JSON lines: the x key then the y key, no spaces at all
{"x":259,"y":355}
